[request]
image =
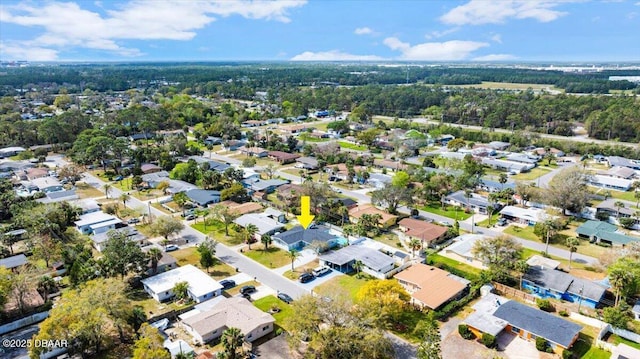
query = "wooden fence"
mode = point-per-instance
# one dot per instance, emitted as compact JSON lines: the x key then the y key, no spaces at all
{"x":513,"y":293}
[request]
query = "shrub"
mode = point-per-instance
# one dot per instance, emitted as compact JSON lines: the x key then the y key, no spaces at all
{"x":489,"y":340}
{"x":249,"y":162}
{"x":464,"y":331}
{"x":544,"y":304}
{"x":567,"y":354}
{"x":541,"y":344}
{"x":616,"y":316}
{"x":563,"y":313}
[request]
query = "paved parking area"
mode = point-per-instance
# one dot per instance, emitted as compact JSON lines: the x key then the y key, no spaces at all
{"x":515,"y":347}
{"x":240,"y":278}
{"x":262,"y":291}
{"x":319,"y":280}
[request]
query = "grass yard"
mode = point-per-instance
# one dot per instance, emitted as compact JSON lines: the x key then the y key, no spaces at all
{"x":615,"y":339}
{"x":449,"y":211}
{"x":146,"y":194}
{"x":407,"y":324}
{"x":293,"y":275}
{"x":190,"y":256}
{"x":531,"y":175}
{"x":352,"y":146}
{"x":452,"y":263}
{"x":271,"y":258}
{"x":151,"y":307}
{"x":304,"y":137}
{"x":270,"y":301}
{"x":485,"y":223}
{"x":389,"y":239}
{"x":584,"y":348}
{"x":526,"y":232}
{"x":215,"y":230}
{"x":159,"y":207}
{"x":627,"y":196}
{"x":344,"y":285}
{"x":83,"y":191}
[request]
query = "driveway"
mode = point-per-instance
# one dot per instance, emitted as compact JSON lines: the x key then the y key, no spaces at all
{"x":515,"y":347}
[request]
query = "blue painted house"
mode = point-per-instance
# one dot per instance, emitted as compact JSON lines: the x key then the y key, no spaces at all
{"x":297,"y":237}
{"x":547,"y":282}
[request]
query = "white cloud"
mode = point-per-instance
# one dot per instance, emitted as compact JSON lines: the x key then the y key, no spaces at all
{"x":495,"y":57}
{"x":28,"y":54}
{"x":67,"y":24}
{"x":478,"y":12}
{"x":632,"y":15}
{"x":435,"y":51}
{"x":439,"y":34}
{"x":333,"y":55}
{"x":497,"y":38}
{"x":363,"y":31}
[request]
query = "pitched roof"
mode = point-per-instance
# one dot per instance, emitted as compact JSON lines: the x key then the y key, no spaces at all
{"x":357,"y":212}
{"x":261,"y":185}
{"x":605,"y":231}
{"x":371,"y":258}
{"x":619,"y":171}
{"x":234,"y":312}
{"x":436,"y":285}
{"x":264,"y":223}
{"x":564,"y":282}
{"x":312,"y":233}
{"x":283,"y":156}
{"x":422,"y":230}
{"x":203,"y":196}
{"x":14,"y":261}
{"x":537,"y":322}
{"x":200,"y":283}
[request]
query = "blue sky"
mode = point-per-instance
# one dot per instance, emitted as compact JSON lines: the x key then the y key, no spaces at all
{"x":414,"y":30}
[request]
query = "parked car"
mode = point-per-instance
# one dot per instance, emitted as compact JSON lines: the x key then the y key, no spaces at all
{"x":306,"y":277}
{"x":190,"y":217}
{"x":133,"y":220}
{"x":502,"y":222}
{"x":171,"y":248}
{"x":285,"y":297}
{"x":247,"y":289}
{"x":319,"y":272}
{"x":227,"y":284}
{"x":118,"y":178}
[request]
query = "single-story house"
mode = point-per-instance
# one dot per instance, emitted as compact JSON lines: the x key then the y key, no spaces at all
{"x":253,"y":151}
{"x":615,"y":183}
{"x":212,"y":165}
{"x":308,"y":163}
{"x":547,"y":282}
{"x":298,"y":237}
{"x":422,"y":230}
{"x":233,"y":145}
{"x":14,"y":261}
{"x":609,"y":206}
{"x":431,"y":287}
{"x":153,"y":179}
{"x":203,"y":197}
{"x":265,"y":224}
{"x":603,"y":232}
{"x":236,"y":312}
{"x":481,"y":320}
{"x":288,"y":192}
{"x":150,"y":168}
{"x":530,"y":323}
{"x":177,"y":347}
{"x":388,"y":164}
{"x":100,"y":221}
{"x":141,"y":136}
{"x":210,"y":140}
{"x":615,"y":161}
{"x":276,"y":214}
{"x":165,"y":263}
{"x":10,"y":151}
{"x":623,"y":351}
{"x":495,"y":186}
{"x":387,"y":220}
{"x":100,"y":239}
{"x":621,"y":172}
{"x":529,"y":216}
{"x":241,"y":208}
{"x":293,"y":129}
{"x":523,"y":158}
{"x":508,"y":166}
{"x":267,"y":186}
{"x":475,"y":202}
{"x":46,"y":184}
{"x":59,"y":196}
{"x":33,"y":173}
{"x":283,"y":157}
{"x":201,"y":285}
{"x":462,"y":247}
{"x":374,"y":262}
{"x":87,"y":205}
{"x":499,"y":145}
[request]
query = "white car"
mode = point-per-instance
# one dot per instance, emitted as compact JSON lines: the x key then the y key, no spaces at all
{"x":171,"y":248}
{"x":336,"y":189}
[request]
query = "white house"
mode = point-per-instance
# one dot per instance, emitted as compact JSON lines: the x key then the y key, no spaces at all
{"x":529,"y":216}
{"x":96,"y":221}
{"x":236,"y":312}
{"x":201,"y":286}
{"x":615,"y":183}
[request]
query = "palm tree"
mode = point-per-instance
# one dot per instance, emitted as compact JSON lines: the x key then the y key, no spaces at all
{"x":636,"y":195}
{"x":124,"y":198}
{"x":154,"y":255}
{"x":572,"y":243}
{"x":266,"y":240}
{"x":521,"y":267}
{"x":358,"y":265}
{"x":415,"y":245}
{"x":293,"y":255}
{"x":343,"y":211}
{"x":232,"y":339}
{"x":181,"y":290}
{"x":619,"y":205}
{"x":251,"y":230}
{"x":502,"y":179}
{"x":619,"y":279}
{"x":107,"y":189}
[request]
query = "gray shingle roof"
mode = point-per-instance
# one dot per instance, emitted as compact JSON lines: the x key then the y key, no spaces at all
{"x":14,"y":261}
{"x":313,"y":233}
{"x":371,"y":258}
{"x":564,"y":282}
{"x":540,"y":323}
{"x":203,"y":197}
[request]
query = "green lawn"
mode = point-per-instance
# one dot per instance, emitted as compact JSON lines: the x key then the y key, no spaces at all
{"x":215,"y":230}
{"x":485,"y":223}
{"x":190,"y":256}
{"x":531,"y":175}
{"x":301,"y":269}
{"x":615,"y":339}
{"x":83,"y":190}
{"x":584,"y":349}
{"x":268,"y":302}
{"x":352,"y":146}
{"x":304,"y":137}
{"x":272,"y":258}
{"x":468,"y":271}
{"x":627,"y":196}
{"x":389,"y":239}
{"x":526,"y":232}
{"x":344,"y":285}
{"x":449,"y":211}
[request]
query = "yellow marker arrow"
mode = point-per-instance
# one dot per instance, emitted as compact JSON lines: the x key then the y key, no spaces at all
{"x":305,"y":218}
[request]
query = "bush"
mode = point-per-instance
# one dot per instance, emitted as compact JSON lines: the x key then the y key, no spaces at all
{"x":489,"y":340}
{"x":567,"y":354}
{"x":563,"y":313}
{"x":464,"y":331}
{"x":541,"y":344}
{"x":544,"y":304}
{"x":616,"y":316}
{"x":249,"y":162}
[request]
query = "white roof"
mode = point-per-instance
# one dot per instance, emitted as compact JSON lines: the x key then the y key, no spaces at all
{"x":45,"y":182}
{"x":199,"y":282}
{"x":105,"y":224}
{"x":86,"y":204}
{"x":540,"y":261}
{"x":611,"y":181}
{"x":463,"y":244}
{"x":264,"y":223}
{"x":93,"y":218}
{"x":483,"y":319}
{"x":534,"y":214}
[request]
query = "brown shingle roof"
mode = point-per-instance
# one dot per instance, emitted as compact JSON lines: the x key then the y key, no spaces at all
{"x":358,"y":211}
{"x":436,"y":285}
{"x":422,"y":230}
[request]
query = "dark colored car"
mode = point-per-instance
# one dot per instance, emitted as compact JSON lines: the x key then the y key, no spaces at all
{"x":502,"y":222}
{"x":227,"y":284}
{"x":306,"y":277}
{"x":118,"y":178}
{"x":285,"y":298}
{"x":133,"y":220}
{"x":247,"y":289}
